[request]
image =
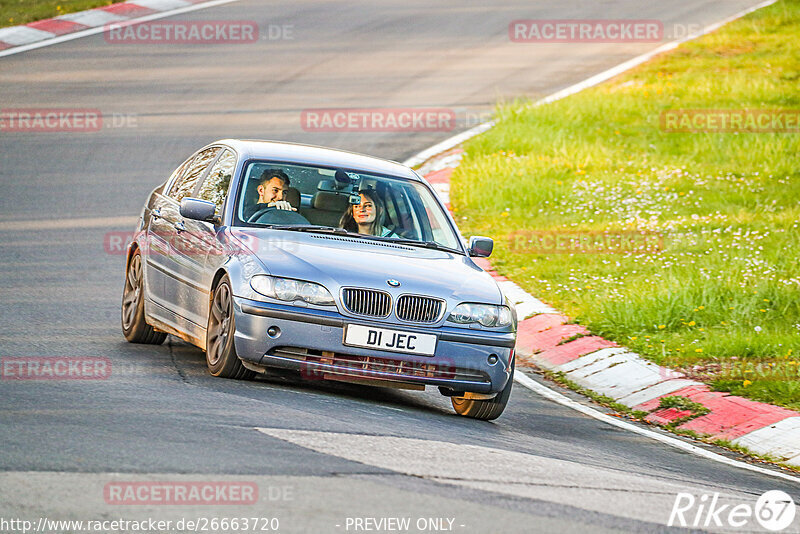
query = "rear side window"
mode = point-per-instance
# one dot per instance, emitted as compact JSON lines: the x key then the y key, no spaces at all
{"x":215,"y":186}
{"x":186,"y":183}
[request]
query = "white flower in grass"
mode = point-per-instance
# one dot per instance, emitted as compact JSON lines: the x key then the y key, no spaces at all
{"x":757,"y":329}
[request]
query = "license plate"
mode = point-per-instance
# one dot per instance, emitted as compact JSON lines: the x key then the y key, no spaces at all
{"x":393,"y":340}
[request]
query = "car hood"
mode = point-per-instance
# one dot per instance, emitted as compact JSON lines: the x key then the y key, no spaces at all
{"x":338,"y":261}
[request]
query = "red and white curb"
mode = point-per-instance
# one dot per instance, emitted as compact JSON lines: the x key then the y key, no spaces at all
{"x":546,"y":338}
{"x":16,"y":39}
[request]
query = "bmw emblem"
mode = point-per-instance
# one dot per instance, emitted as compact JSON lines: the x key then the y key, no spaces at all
{"x":392,"y":282}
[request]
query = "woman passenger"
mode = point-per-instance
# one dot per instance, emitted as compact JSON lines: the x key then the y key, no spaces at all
{"x":367,"y":217}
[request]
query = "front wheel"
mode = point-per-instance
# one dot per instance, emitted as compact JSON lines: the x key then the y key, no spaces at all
{"x":221,"y":355}
{"x":485,"y":410}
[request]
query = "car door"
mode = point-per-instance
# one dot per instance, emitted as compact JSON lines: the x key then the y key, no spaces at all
{"x":196,"y":247}
{"x":171,"y":254}
{"x":158,"y":238}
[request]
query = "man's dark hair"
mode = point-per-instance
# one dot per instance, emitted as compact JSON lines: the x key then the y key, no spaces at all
{"x":269,"y":174}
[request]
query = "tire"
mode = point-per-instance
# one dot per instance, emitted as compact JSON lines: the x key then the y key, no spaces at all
{"x":221,"y":355}
{"x":134,"y":327}
{"x":485,"y":410}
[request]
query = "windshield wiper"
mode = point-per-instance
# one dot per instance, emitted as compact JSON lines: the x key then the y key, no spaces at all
{"x":426,"y":244}
{"x":311,"y":228}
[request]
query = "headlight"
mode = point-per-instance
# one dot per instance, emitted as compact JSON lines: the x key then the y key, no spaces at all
{"x":484,"y":314}
{"x":291,"y":290}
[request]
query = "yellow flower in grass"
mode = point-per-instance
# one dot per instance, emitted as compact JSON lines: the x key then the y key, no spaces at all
{"x":746,"y":383}
{"x":698,"y":350}
{"x":662,"y":326}
{"x":692,"y":323}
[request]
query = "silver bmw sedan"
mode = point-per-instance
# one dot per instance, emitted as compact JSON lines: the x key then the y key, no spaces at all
{"x":338,"y":265}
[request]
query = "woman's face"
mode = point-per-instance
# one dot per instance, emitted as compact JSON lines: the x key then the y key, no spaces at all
{"x":364,"y":213}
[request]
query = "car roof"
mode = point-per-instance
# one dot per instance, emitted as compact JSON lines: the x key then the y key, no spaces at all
{"x":315,"y":155}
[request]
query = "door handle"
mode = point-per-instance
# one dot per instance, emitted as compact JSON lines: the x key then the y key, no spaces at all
{"x":179,"y":226}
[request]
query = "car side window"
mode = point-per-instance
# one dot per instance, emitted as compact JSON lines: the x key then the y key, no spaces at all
{"x":177,"y":173}
{"x":186,"y":183}
{"x":215,"y":186}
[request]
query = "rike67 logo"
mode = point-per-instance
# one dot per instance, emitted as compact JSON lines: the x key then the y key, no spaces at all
{"x":773,"y":511}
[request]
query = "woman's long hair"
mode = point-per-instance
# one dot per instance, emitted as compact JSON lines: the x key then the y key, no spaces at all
{"x":348,"y":222}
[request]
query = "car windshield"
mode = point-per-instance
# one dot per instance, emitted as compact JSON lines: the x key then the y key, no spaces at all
{"x":307,"y":198}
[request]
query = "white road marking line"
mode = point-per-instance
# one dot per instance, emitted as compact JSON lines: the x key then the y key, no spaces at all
{"x":101,"y":29}
{"x":65,"y":224}
{"x":555,"y":396}
{"x":606,"y":490}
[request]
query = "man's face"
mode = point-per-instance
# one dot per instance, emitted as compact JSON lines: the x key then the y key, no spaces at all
{"x":271,"y":191}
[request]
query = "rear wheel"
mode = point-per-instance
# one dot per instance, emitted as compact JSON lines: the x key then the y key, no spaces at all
{"x":221,"y":355}
{"x":134,"y":327}
{"x":488,"y":409}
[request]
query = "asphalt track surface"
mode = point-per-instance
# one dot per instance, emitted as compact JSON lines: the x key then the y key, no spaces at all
{"x":320,"y":453}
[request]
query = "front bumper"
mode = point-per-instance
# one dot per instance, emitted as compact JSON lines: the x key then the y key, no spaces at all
{"x":311,"y":341}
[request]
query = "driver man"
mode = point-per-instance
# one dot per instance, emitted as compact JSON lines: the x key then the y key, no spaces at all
{"x":272,"y":188}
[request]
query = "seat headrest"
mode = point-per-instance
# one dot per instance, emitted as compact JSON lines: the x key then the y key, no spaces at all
{"x":292,"y":196}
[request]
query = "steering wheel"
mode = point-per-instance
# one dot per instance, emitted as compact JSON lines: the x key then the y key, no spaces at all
{"x":278,"y":216}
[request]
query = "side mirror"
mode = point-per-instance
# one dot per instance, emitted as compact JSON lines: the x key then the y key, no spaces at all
{"x":199,"y":210}
{"x":480,"y":247}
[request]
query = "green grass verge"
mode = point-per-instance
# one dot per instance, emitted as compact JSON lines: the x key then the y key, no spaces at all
{"x":14,"y":12}
{"x":721,"y":298}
